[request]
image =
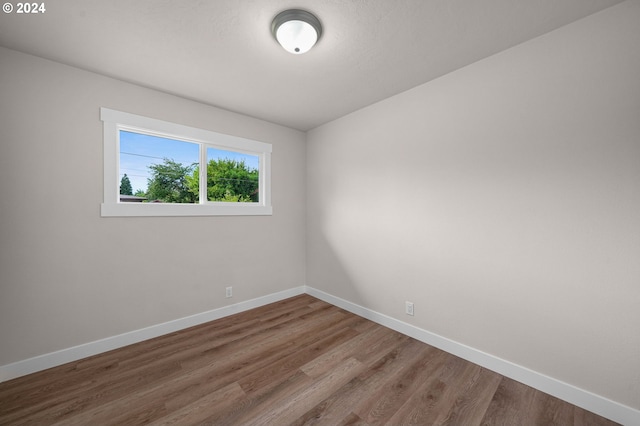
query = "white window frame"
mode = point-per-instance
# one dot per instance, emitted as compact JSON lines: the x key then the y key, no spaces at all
{"x":115,"y":121}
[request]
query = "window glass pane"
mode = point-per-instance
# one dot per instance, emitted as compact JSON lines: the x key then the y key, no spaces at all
{"x":158,"y":169}
{"x":232,"y":176}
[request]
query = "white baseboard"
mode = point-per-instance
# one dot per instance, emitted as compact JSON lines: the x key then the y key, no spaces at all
{"x":53,"y":359}
{"x":582,"y":398}
{"x":589,"y":401}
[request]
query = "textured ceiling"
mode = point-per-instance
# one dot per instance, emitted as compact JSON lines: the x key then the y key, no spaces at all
{"x":220,"y":52}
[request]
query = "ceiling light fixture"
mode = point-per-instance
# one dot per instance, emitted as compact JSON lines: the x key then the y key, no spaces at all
{"x":296,"y":30}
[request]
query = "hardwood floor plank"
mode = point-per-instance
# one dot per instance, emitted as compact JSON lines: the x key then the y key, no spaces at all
{"x":472,"y":402}
{"x":510,"y":404}
{"x":360,"y":346}
{"x":80,"y":380}
{"x":108,"y":387}
{"x":438,"y":393}
{"x":297,"y":404}
{"x":299,"y":361}
{"x":201,"y":409}
{"x":152,"y":348}
{"x":402,"y":379}
{"x":252,"y":409}
{"x":284,"y":366}
{"x":352,"y":420}
{"x":551,"y":411}
{"x":340,"y":405}
{"x":115,"y":386}
{"x":223,"y":368}
{"x":63,"y":402}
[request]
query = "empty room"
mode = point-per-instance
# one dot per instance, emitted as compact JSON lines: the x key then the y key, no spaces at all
{"x":240,"y":212}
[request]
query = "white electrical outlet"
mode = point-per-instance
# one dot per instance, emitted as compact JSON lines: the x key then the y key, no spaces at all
{"x":409,"y":308}
{"x":229,"y":292}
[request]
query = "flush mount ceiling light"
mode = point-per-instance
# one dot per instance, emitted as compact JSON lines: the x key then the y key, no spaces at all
{"x":296,"y":30}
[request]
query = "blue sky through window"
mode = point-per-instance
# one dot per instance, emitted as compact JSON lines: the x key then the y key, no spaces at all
{"x":139,"y":151}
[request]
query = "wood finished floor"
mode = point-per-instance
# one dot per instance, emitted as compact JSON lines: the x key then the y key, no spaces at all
{"x":300,"y":361}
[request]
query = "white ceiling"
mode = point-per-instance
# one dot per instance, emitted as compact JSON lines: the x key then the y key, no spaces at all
{"x":221,"y":52}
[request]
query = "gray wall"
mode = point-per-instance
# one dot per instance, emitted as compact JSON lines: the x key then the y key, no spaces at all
{"x":503,"y":200}
{"x":68,"y":276}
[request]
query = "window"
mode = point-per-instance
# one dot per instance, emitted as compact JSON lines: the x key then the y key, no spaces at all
{"x":157,"y":168}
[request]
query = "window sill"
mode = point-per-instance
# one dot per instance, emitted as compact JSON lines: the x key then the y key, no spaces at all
{"x":160,"y":209}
